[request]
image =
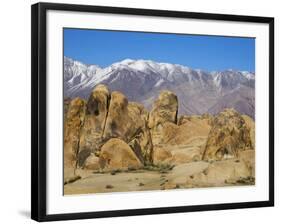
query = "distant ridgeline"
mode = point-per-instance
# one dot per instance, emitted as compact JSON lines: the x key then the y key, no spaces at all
{"x":142,"y":81}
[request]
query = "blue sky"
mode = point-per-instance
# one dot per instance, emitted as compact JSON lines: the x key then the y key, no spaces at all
{"x":210,"y":53}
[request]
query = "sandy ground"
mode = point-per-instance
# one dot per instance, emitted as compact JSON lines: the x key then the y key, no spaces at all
{"x":189,"y":172}
{"x":139,"y":180}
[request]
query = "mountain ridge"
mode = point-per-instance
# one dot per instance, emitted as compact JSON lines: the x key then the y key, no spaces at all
{"x":142,"y":80}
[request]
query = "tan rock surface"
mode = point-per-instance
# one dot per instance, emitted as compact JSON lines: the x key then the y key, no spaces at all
{"x":92,"y":162}
{"x":186,"y":153}
{"x":220,"y":173}
{"x":119,"y":123}
{"x":142,"y":139}
{"x":128,"y":122}
{"x":91,"y":137}
{"x":251,"y":125}
{"x":186,"y":132}
{"x":248,"y":156}
{"x":165,"y":109}
{"x":228,"y":135}
{"x":72,"y":127}
{"x":161,"y":155}
{"x":185,"y":142}
{"x":117,"y":154}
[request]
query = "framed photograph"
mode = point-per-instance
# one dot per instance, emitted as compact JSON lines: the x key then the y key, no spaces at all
{"x":140,"y":111}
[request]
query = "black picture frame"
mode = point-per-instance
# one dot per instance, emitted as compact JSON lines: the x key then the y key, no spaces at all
{"x":38,"y":108}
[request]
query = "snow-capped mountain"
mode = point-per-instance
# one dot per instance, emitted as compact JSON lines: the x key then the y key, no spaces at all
{"x":142,"y":80}
{"x":230,"y":79}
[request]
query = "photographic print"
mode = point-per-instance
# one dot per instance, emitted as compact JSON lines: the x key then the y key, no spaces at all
{"x":145,"y":111}
{"x":157,"y":111}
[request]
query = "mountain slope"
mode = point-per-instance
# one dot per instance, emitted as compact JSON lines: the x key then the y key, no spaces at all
{"x":142,"y":80}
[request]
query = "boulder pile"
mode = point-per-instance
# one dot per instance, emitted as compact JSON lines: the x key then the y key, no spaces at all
{"x":107,"y":132}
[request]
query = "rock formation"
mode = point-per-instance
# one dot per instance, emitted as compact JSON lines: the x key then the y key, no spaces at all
{"x":128,"y":122}
{"x":165,"y":109}
{"x":92,"y":162}
{"x":109,"y":134}
{"x":105,"y":116}
{"x":142,"y":138}
{"x":188,"y":128}
{"x":161,"y":155}
{"x":184,"y":141}
{"x":250,"y":124}
{"x":229,"y":135}
{"x":91,"y":137}
{"x":117,"y":154}
{"x":72,"y":126}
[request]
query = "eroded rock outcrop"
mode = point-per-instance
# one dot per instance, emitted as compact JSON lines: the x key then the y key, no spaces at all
{"x":161,"y":155}
{"x":118,"y":121}
{"x":109,"y":115}
{"x":128,"y":121}
{"x":165,"y":109}
{"x":229,"y":135}
{"x":117,"y":154}
{"x":250,"y":124}
{"x":72,"y":126}
{"x":91,"y":137}
{"x":109,"y":133}
{"x":92,"y":162}
{"x":142,"y":139}
{"x":184,"y":141}
{"x":189,"y":128}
